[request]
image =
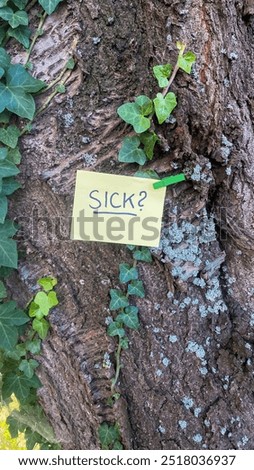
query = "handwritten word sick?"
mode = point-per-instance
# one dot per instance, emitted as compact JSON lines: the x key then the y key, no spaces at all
{"x":114,"y":200}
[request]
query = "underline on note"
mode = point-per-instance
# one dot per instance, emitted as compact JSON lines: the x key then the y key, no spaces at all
{"x":115,"y":213}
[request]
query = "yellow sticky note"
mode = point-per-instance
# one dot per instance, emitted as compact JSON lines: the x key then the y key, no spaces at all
{"x":117,"y":209}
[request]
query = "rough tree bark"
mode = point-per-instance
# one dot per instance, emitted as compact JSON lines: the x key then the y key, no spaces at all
{"x":187,"y":380}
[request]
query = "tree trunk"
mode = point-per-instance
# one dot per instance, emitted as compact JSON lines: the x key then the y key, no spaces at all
{"x":187,"y":379}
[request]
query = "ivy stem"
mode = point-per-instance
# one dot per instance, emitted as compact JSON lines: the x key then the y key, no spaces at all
{"x":50,"y":97}
{"x":173,"y":76}
{"x":36,"y":35}
{"x":118,"y":364}
{"x":54,"y":81}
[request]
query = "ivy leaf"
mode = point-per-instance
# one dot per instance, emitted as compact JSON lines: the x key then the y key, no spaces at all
{"x":70,"y":64}
{"x":34,"y":311}
{"x":33,"y":346}
{"x":118,"y":299}
{"x":164,"y":106}
{"x":114,"y":329}
{"x":130,"y":151}
{"x":9,"y":186}
{"x":143,"y":254}
{"x":32,"y":438}
{"x":52,"y":299}
{"x":7,"y":168}
{"x":7,"y":229}
{"x":127,"y":273}
{"x":186,"y":61}
{"x":49,"y":5}
{"x":16,"y":353}
{"x":3,"y":153}
{"x":181,"y":47}
{"x":131,"y":247}
{"x":10,"y":136}
{"x":5,"y":117}
{"x":8,"y":336}
{"x":20,"y":385}
{"x":14,"y":18}
{"x":28,"y":367}
{"x":8,"y":247}
{"x":3,"y":30}
{"x":3,"y":3}
{"x":21,"y":4}
{"x":124,"y":343}
{"x":3,"y":208}
{"x":108,"y":434}
{"x":41,"y":299}
{"x":61,"y":88}
{"x":146,"y":174}
{"x":21,"y":34}
{"x":19,"y":79}
{"x":14,"y":426}
{"x":131,"y":113}
{"x":117,"y":446}
{"x":149,"y":139}
{"x":136,"y":288}
{"x":129,"y":318}
{"x":47,"y":283}
{"x":10,"y":317}
{"x":145,"y":105}
{"x":162,"y":73}
{"x":5,"y":60}
{"x":18,"y":102}
{"x":14,"y":156}
{"x":41,"y":327}
{"x":3,"y":292}
{"x":15,"y":95}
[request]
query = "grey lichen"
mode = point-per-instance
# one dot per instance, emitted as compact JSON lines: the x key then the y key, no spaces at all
{"x":89,"y":159}
{"x":226,"y":148}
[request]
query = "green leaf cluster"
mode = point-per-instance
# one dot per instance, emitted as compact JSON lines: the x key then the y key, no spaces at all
{"x":126,"y":314}
{"x":41,"y":305}
{"x":14,"y":21}
{"x":17,"y":363}
{"x":16,"y":88}
{"x":31,"y":420}
{"x":109,"y":436}
{"x":140,"y":148}
{"x":8,"y":169}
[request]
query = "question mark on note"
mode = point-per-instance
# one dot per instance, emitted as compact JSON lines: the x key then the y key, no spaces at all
{"x":140,"y":202}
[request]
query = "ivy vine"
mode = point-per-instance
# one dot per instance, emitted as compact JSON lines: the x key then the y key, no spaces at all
{"x":21,"y":331}
{"x":143,"y":114}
